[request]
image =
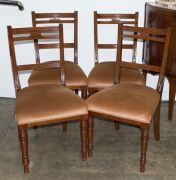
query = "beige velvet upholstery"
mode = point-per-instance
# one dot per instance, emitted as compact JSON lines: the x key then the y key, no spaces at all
{"x":74,"y":75}
{"x":103,"y":74}
{"x":47,"y":102}
{"x":129,"y":101}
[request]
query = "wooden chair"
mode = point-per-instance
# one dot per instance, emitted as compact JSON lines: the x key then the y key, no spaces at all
{"x":43,"y":104}
{"x":102,"y":75}
{"x":75,"y":77}
{"x":134,"y":104}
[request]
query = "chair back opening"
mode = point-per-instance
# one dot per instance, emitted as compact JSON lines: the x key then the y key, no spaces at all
{"x":53,"y":19}
{"x":46,"y":37}
{"x":113,"y":19}
{"x":146,"y":35}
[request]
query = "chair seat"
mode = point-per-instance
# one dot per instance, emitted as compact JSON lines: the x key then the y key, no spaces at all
{"x":46,"y":103}
{"x":74,"y":75}
{"x":103,"y":74}
{"x":129,"y":101}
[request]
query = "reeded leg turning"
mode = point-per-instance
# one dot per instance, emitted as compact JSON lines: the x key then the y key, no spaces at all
{"x":144,"y":144}
{"x":22,"y":130}
{"x":90,"y":135}
{"x":156,"y":123}
{"x":83,"y":133}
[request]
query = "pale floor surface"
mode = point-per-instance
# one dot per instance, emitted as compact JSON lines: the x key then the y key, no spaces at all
{"x":56,"y":155}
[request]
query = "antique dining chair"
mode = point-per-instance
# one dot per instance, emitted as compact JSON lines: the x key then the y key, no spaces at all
{"x":43,"y":104}
{"x":74,"y":75}
{"x":134,"y":104}
{"x":103,"y":73}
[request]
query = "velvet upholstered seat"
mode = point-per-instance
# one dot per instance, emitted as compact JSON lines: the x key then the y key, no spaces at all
{"x":103,"y":76}
{"x":44,"y":104}
{"x":129,"y":101}
{"x":134,"y":104}
{"x":74,"y":76}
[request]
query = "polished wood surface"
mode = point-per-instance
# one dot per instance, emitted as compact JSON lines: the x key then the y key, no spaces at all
{"x":111,"y":19}
{"x":29,"y":35}
{"x":146,"y":34}
{"x":159,"y":17}
{"x":48,"y":19}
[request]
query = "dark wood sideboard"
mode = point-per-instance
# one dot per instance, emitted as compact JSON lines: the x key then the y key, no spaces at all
{"x":159,"y":17}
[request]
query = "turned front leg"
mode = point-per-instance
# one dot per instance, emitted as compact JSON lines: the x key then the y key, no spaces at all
{"x":144,"y":144}
{"x":23,"y":137}
{"x":83,"y":133}
{"x":90,"y":135}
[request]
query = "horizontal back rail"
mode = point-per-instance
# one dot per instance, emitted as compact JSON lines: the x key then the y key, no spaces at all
{"x":113,"y":19}
{"x":140,"y":66}
{"x":114,"y":46}
{"x":146,"y":35}
{"x":55,"y":45}
{"x":45,"y":19}
{"x":27,"y":67}
{"x":23,"y":36}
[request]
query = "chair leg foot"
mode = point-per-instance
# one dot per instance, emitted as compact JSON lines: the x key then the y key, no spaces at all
{"x":83,"y":133}
{"x":90,"y":135}
{"x":144,"y":144}
{"x":23,"y":137}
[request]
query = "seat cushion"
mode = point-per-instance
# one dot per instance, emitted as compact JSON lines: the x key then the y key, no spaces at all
{"x":130,"y":101}
{"x":103,"y":74}
{"x":47,"y":102}
{"x":74,"y":76}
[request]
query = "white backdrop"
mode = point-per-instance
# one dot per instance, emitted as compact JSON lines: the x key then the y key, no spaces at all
{"x":12,"y":16}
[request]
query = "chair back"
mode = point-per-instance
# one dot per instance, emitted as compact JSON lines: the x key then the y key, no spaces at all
{"x":110,"y":19}
{"x":45,"y":37}
{"x":146,"y":35}
{"x":46,"y":19}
